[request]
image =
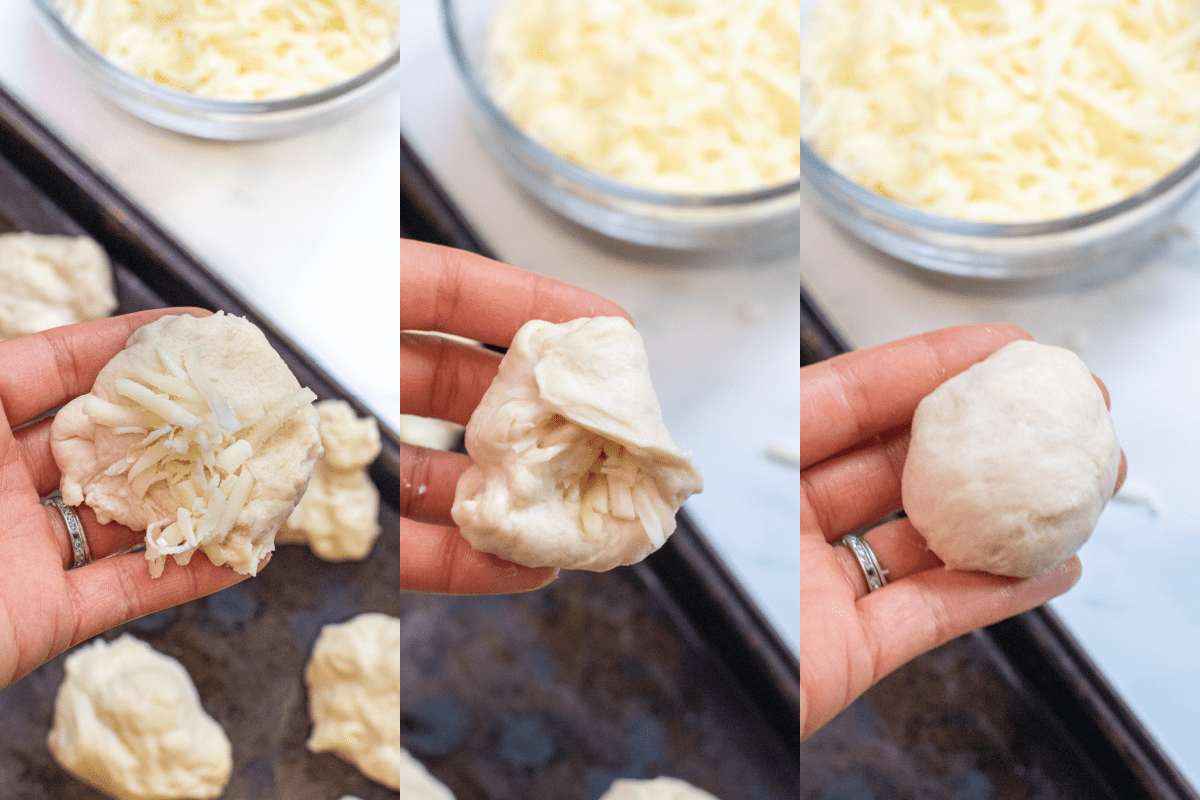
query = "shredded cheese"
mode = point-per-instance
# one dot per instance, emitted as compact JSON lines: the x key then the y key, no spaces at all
{"x":1003,"y":110}
{"x":196,"y":445}
{"x":240,"y":49}
{"x":691,"y":96}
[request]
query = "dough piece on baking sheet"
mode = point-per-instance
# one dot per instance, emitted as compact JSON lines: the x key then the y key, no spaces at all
{"x":47,"y":281}
{"x":574,"y":467}
{"x":417,"y":784}
{"x":128,"y":721}
{"x":353,"y":678}
{"x":338,"y":516}
{"x":663,"y":788}
{"x":198,"y":433}
{"x":1011,"y":462}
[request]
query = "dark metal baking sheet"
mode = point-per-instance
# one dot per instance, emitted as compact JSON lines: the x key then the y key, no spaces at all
{"x":245,"y":647}
{"x":663,"y":668}
{"x":1014,"y":711}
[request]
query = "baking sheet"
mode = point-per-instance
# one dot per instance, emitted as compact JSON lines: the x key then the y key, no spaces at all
{"x":663,"y":668}
{"x":244,"y":647}
{"x":1016,"y":710}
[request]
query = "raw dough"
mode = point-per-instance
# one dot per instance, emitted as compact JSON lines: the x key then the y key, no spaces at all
{"x":657,"y":789}
{"x":128,"y":721}
{"x":353,"y":679}
{"x":198,"y":433}
{"x":338,"y":516}
{"x":48,"y":281}
{"x":417,"y":784}
{"x":573,"y":465}
{"x":1011,"y":462}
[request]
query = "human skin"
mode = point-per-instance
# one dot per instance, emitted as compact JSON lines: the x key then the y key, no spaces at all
{"x":851,"y":464}
{"x":453,"y":291}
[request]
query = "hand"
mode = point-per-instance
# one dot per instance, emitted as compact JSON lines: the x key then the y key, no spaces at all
{"x":44,"y":608}
{"x":858,"y":408}
{"x":456,"y":292}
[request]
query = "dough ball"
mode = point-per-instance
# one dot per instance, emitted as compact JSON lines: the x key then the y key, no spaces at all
{"x":1011,"y":462}
{"x":128,"y":721}
{"x":353,"y":679}
{"x":338,"y":516}
{"x":417,"y":784}
{"x":573,"y":465}
{"x":198,"y":433}
{"x":50,"y":281}
{"x":657,"y":789}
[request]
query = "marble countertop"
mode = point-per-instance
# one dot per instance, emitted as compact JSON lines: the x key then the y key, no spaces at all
{"x":721,"y":333}
{"x":305,"y":228}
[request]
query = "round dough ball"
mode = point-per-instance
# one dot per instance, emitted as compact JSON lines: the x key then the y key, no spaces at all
{"x":1011,"y":462}
{"x":573,"y":466}
{"x":353,"y":679}
{"x":128,"y":721}
{"x":198,"y":433}
{"x":663,"y":788}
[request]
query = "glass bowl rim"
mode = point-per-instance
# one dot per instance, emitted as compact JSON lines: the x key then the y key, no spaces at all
{"x":916,"y":218}
{"x":211,"y":105}
{"x":590,"y":180}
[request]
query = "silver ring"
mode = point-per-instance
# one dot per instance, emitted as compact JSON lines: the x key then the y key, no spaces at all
{"x":79,"y":543}
{"x":875,"y":574}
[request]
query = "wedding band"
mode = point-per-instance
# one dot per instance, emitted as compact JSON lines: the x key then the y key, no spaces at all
{"x":79,"y":544}
{"x":875,"y":574}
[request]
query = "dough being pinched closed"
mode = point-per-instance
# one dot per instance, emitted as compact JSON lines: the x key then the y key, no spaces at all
{"x":1011,"y":462}
{"x":574,"y":467}
{"x":198,"y":433}
{"x":128,"y":720}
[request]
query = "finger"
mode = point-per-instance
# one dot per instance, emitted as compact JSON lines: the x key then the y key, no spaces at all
{"x":932,"y":607}
{"x":438,"y":559}
{"x":857,"y":487}
{"x":900,"y":550}
{"x":118,"y":589}
{"x":103,"y":539}
{"x":33,"y":440}
{"x":454,"y":291}
{"x":45,"y":370}
{"x":866,"y":392}
{"x":443,"y":378}
{"x":428,"y":479}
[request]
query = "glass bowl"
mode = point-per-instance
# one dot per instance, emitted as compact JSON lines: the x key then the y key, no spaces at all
{"x":618,"y":210}
{"x":211,"y":118}
{"x":1105,"y":241}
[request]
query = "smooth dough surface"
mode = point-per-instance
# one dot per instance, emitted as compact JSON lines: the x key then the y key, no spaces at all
{"x":1011,"y":462}
{"x":198,"y":433}
{"x":353,"y":679}
{"x":338,"y":516}
{"x":128,"y":721}
{"x":663,"y":788}
{"x":48,"y":281}
{"x":417,"y":784}
{"x":573,"y":466}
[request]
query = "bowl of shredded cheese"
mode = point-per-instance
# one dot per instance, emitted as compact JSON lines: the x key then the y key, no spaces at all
{"x":232,"y":69}
{"x":1003,"y":139}
{"x":665,"y":124}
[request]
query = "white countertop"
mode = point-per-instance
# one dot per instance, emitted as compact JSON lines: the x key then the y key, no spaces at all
{"x":1137,"y":609}
{"x":721,"y":334}
{"x":306,"y":229}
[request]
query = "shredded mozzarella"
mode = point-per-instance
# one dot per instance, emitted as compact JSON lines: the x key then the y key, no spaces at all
{"x":1003,"y":111}
{"x":240,"y":49}
{"x":692,"y":96}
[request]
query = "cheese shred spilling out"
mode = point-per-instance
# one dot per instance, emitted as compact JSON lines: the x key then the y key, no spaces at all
{"x":1003,"y":111}
{"x":240,"y":49}
{"x":193,"y":442}
{"x":690,"y":96}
